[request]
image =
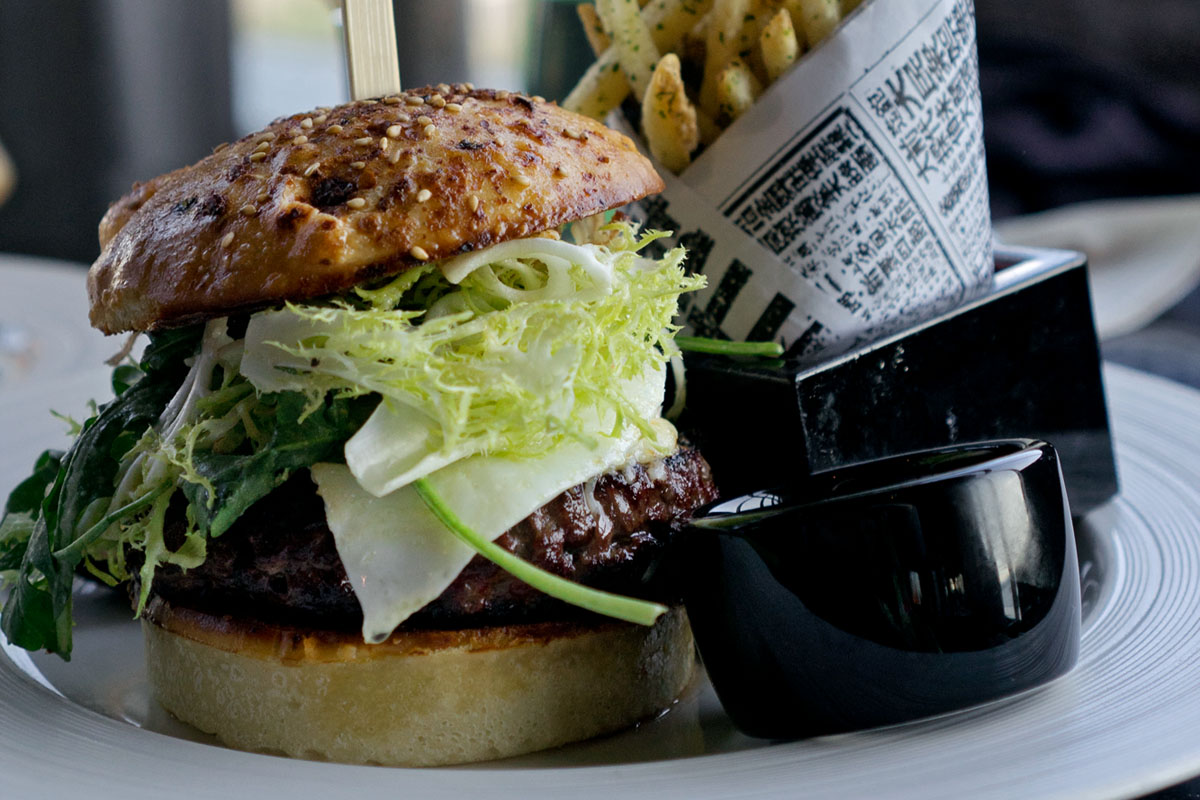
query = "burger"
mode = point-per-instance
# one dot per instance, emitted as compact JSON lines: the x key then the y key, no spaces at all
{"x":389,"y":482}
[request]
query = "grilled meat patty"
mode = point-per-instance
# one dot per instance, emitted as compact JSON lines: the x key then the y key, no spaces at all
{"x":278,"y":563}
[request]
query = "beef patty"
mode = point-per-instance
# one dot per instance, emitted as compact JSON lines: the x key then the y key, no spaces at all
{"x":278,"y":562}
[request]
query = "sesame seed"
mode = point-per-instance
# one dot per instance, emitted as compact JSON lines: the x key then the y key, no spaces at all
{"x":403,"y":118}
{"x":220,"y":147}
{"x":444,"y":88}
{"x":395,"y":156}
{"x":262,"y":146}
{"x":473,"y":203}
{"x":523,"y":180}
{"x":321,"y":119}
{"x":394,"y":131}
{"x":356,"y":202}
{"x":311,"y":168}
{"x":301,"y":139}
{"x":429,"y":131}
{"x":424,"y":120}
{"x":537,"y":98}
{"x":414,"y":100}
{"x":334,"y":128}
{"x":363,"y":140}
{"x":227,"y":240}
{"x":437,"y":101}
{"x":306,"y":123}
{"x":263,"y":197}
{"x":424,"y":195}
{"x":470,"y":86}
{"x":551,"y":234}
{"x":391,"y":100}
{"x":383,"y":142}
{"x":249,"y":210}
{"x":418,"y":252}
{"x":502,"y":94}
{"x":259,"y":156}
{"x":454,"y":107}
{"x":357,"y":164}
{"x":266,"y":137}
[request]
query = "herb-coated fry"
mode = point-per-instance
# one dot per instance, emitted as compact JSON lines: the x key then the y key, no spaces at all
{"x":636,"y":52}
{"x":593,"y":29}
{"x":737,"y":89}
{"x":815,"y":17}
{"x":603,"y":86}
{"x":724,"y":29}
{"x":668,"y":117}
{"x":709,"y":129}
{"x":779,"y":45}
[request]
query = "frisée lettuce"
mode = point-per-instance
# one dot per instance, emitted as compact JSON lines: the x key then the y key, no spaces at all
{"x":521,"y":346}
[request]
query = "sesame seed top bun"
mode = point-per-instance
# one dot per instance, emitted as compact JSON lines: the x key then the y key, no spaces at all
{"x":321,"y":201}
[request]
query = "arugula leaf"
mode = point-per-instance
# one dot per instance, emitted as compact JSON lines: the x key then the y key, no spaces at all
{"x":43,"y":513}
{"x":296,"y":441}
{"x":168,"y":349}
{"x":28,"y":495}
{"x":21,"y":510}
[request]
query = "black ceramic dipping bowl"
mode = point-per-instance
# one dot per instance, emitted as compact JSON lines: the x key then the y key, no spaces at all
{"x":885,"y":591}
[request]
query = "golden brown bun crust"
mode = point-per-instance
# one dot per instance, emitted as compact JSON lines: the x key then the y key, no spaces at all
{"x":420,"y":699}
{"x":276,"y":215}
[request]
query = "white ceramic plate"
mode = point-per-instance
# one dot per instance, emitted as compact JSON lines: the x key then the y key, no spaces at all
{"x":1126,"y":721}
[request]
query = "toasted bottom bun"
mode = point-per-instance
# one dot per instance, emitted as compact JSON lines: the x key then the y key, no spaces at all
{"x":419,"y":699}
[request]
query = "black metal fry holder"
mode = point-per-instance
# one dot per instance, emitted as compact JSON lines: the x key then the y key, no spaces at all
{"x":1020,"y":361}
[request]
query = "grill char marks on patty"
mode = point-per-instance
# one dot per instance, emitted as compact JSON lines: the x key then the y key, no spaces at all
{"x":278,"y":563}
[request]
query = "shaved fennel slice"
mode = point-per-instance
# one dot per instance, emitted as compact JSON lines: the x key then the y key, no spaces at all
{"x":584,"y":255}
{"x":398,"y":554}
{"x":400,"y":444}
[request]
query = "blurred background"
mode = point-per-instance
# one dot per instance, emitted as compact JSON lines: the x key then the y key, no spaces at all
{"x":1084,"y":100}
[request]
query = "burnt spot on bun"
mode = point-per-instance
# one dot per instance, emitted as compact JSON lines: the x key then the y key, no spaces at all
{"x":212,"y":206}
{"x":329,"y":192}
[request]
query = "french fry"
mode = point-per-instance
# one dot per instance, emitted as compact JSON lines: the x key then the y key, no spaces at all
{"x":593,"y":29}
{"x":722,"y":45}
{"x":761,"y":12}
{"x":737,"y":89}
{"x":691,"y":47}
{"x":669,"y":20}
{"x":636,"y":52}
{"x":603,"y":86}
{"x":709,"y":129}
{"x":815,"y":17}
{"x":668,"y":117}
{"x":778,"y":44}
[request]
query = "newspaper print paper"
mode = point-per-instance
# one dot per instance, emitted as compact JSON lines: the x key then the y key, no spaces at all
{"x":852,"y":197}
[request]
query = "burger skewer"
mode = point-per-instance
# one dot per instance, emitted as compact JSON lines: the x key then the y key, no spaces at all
{"x":371,"y":58}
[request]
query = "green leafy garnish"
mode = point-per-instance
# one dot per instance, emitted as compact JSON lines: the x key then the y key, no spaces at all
{"x":703,"y":344}
{"x":630,"y":609}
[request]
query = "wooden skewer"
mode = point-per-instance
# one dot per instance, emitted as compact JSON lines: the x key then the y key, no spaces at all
{"x":371,"y":48}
